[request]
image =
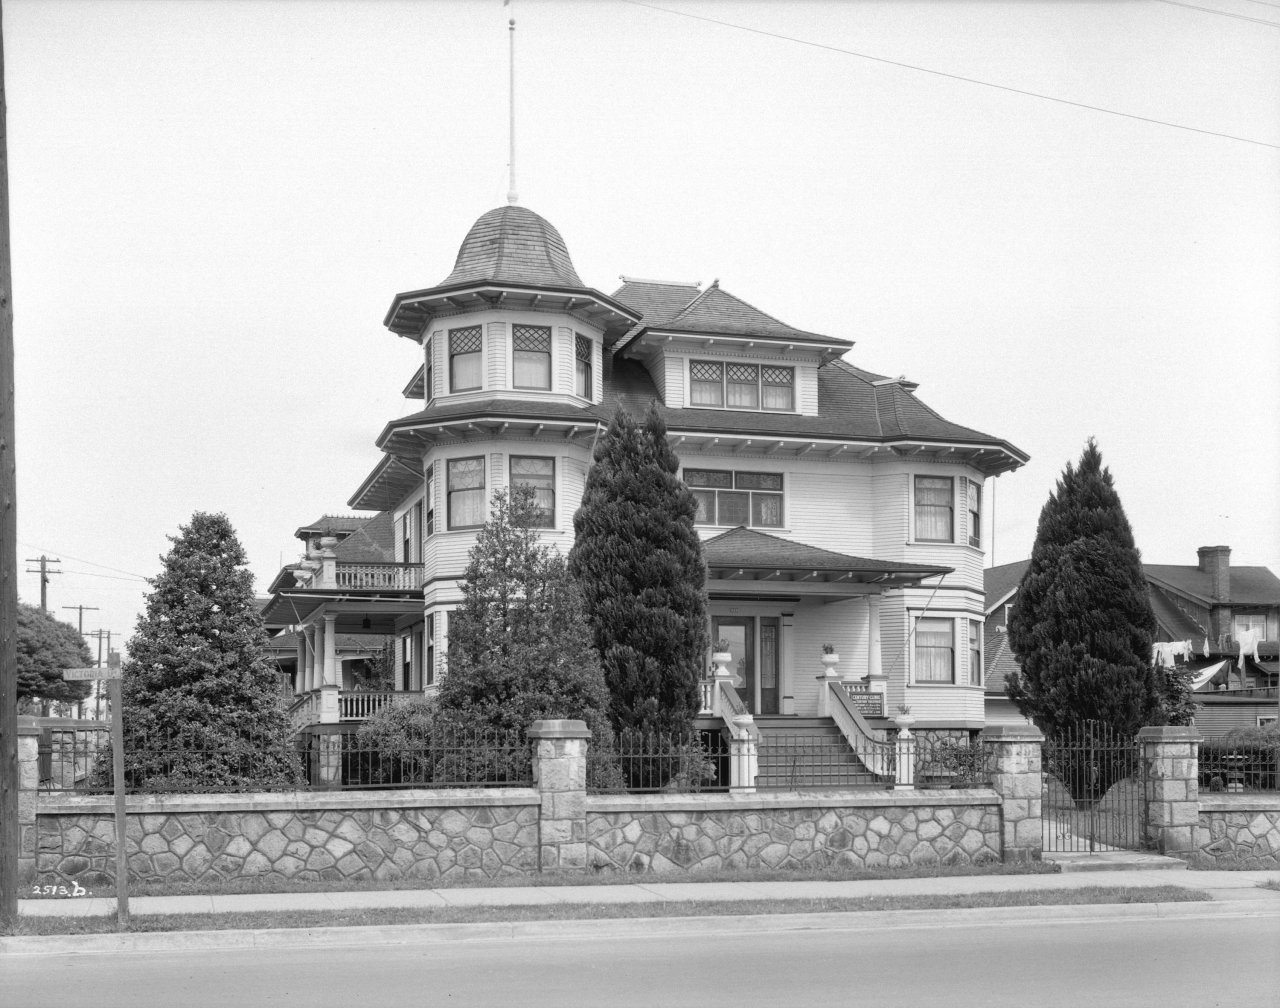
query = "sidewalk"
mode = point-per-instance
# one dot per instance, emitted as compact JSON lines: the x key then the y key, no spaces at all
{"x":1221,"y":885}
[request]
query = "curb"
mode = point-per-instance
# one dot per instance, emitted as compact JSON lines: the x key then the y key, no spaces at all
{"x":417,"y":934}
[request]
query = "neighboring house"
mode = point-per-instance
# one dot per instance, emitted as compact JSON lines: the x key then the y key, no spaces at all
{"x":1214,"y":607}
{"x":834,"y":505}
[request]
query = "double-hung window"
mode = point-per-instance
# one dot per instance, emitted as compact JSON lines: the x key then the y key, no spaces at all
{"x":531,"y":356}
{"x":975,"y":653}
{"x":429,"y":671}
{"x":465,"y":359}
{"x":975,"y":513}
{"x":1246,"y":624}
{"x":430,"y":497}
{"x":935,"y":509}
{"x":935,"y":650}
{"x":583,"y":383}
{"x":741,"y":386}
{"x":407,"y":534}
{"x":429,"y":373}
{"x":736,"y":498}
{"x":539,"y":475}
{"x":465,"y":492}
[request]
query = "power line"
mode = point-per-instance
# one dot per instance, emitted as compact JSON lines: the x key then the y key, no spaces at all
{"x":1264,"y":3}
{"x":111,"y":577}
{"x":1228,"y":14}
{"x":950,"y":76}
{"x":91,"y":563}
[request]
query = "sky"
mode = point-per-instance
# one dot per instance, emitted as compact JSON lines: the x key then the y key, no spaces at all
{"x":214,"y":201}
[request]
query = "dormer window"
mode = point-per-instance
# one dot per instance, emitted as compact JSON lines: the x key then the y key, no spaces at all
{"x":465,"y":365}
{"x":583,"y":383}
{"x":531,"y":353}
{"x":741,"y":386}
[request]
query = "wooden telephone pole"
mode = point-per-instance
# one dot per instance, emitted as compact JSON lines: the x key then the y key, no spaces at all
{"x":9,"y":834}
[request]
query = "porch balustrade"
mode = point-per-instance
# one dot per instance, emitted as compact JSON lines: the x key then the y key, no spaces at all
{"x":706,"y":690}
{"x":359,"y":706}
{"x":304,"y":711}
{"x":387,"y":576}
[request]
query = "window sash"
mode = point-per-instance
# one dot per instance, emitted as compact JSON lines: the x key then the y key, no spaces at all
{"x":465,"y":359}
{"x":934,"y":509}
{"x":975,"y":653}
{"x":539,"y":475}
{"x":465,"y":492}
{"x":531,"y":369}
{"x":975,"y":513}
{"x":583,"y":383}
{"x":724,"y":497}
{"x":741,"y":386}
{"x":935,"y":650}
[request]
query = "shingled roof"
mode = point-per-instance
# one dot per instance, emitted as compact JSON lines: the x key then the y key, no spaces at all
{"x":748,"y":548}
{"x":512,"y":244}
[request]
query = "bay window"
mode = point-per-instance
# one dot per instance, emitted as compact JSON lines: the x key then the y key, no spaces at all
{"x":583,"y":381}
{"x":935,"y":518}
{"x":935,"y":650}
{"x":539,"y":475}
{"x":531,"y":356}
{"x":465,"y":359}
{"x":465,"y":492}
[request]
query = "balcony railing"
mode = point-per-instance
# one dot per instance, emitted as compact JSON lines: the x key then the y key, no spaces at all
{"x":387,"y":576}
{"x":358,"y":706}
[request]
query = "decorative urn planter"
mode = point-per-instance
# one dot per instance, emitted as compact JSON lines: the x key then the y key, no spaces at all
{"x":721,"y":659}
{"x":830,"y":661}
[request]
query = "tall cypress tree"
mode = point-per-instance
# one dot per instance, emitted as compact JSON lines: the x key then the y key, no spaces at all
{"x":202,"y":705}
{"x":639,"y":563}
{"x":1082,"y":627}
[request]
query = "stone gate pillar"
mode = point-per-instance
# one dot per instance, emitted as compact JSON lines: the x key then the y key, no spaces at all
{"x":28,"y":797}
{"x":1171,"y":755}
{"x":560,"y":775}
{"x":1016,"y":777}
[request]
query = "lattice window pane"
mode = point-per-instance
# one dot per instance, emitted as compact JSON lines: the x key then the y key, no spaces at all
{"x":524,"y":337}
{"x":757,"y":481}
{"x":777,"y":375}
{"x":706,"y":371}
{"x":708,"y":478}
{"x":743,"y":373}
{"x":462,"y":341}
{"x":582,"y":348}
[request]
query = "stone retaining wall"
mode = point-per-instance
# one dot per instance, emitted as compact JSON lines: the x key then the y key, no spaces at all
{"x":674,"y":833}
{"x":1238,"y":832}
{"x":217,"y":838}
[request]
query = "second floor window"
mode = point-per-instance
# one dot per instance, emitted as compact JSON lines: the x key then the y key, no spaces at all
{"x":430,"y":498}
{"x":429,"y":373}
{"x":753,"y":499}
{"x":935,"y":650}
{"x":531,"y":356}
{"x":975,"y":513}
{"x":466,"y":493}
{"x":583,"y":383}
{"x":934,"y":509}
{"x":539,"y":475}
{"x":465,"y":359}
{"x":741,"y":386}
{"x":429,"y":673}
{"x":1244,"y":625}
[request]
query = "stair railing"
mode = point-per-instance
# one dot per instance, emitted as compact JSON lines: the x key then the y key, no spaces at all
{"x":744,"y":736}
{"x":868,"y":744}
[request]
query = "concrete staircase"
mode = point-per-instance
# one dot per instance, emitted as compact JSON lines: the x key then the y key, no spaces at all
{"x":808,"y":752}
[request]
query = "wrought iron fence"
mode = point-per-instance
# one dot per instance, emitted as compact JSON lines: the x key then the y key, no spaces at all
{"x":1094,"y":795}
{"x":946,"y":759}
{"x":1235,"y":768}
{"x":648,"y":762}
{"x":448,"y":758}
{"x":796,"y":759}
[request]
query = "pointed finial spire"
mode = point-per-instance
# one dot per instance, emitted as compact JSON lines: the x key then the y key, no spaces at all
{"x":512,"y":195}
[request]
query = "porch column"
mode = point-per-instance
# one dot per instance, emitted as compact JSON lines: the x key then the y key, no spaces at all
{"x":786,"y":663}
{"x":875,"y":673}
{"x":300,"y":676}
{"x":329,"y":687}
{"x":309,"y":679}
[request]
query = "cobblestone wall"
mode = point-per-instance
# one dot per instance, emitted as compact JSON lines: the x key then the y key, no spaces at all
{"x":384,"y":839}
{"x":1239,"y":833}
{"x":693,"y":833}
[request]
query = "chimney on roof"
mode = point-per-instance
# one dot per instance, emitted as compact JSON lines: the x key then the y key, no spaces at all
{"x":1216,"y":562}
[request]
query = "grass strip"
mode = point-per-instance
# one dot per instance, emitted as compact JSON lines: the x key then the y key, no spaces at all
{"x":833,"y":873}
{"x":259,"y":920}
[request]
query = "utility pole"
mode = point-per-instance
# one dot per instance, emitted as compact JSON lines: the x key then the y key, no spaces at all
{"x":8,"y":554}
{"x":82,"y":609}
{"x":44,"y":573}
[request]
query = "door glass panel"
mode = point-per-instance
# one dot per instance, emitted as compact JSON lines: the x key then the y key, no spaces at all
{"x":739,"y":631}
{"x":769,"y":665}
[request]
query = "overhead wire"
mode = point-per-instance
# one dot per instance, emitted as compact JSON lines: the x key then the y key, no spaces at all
{"x":949,"y":76}
{"x":91,"y":563}
{"x":1226,"y":14}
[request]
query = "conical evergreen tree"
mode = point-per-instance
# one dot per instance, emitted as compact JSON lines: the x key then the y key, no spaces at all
{"x":639,"y":563}
{"x":201,"y":703}
{"x":519,"y":645}
{"x":1082,"y":627}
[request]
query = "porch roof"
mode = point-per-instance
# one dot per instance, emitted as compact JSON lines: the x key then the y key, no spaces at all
{"x":745,"y":554}
{"x":382,"y":607}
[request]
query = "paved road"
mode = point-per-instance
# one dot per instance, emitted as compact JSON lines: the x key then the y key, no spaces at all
{"x":1197,"y":962}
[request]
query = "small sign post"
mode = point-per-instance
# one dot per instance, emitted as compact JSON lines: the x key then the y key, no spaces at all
{"x":112,"y":675}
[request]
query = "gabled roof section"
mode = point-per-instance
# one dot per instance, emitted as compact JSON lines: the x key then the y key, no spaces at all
{"x":513,"y":245}
{"x":998,"y":661}
{"x":745,"y":549}
{"x":372,"y":542}
{"x":999,"y":583}
{"x":1255,"y":586}
{"x":714,"y":311}
{"x":1172,"y":623}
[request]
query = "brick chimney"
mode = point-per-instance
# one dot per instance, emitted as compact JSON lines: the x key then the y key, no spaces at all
{"x":1216,"y":562}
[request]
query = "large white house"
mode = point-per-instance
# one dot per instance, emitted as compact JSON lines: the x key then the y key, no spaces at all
{"x":836,"y":508}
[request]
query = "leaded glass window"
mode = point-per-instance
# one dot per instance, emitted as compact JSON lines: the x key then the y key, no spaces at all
{"x":466,"y":493}
{"x":736,"y":498}
{"x":934,"y":509}
{"x":935,"y":650}
{"x":777,"y":388}
{"x":741,"y":386}
{"x":706,"y":383}
{"x":465,"y":359}
{"x":531,"y":356}
{"x":583,"y":381}
{"x":539,"y":475}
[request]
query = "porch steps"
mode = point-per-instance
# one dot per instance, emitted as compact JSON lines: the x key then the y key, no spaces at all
{"x":807,"y":752}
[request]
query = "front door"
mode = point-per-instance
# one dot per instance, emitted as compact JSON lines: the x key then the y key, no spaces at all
{"x":754,"y":645}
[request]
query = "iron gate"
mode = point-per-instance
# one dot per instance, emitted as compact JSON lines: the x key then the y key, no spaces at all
{"x":1095,"y":795}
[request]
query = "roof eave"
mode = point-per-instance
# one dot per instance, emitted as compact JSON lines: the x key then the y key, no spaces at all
{"x":618,"y":316}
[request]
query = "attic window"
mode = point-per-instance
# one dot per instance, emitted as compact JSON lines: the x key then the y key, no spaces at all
{"x":741,"y":386}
